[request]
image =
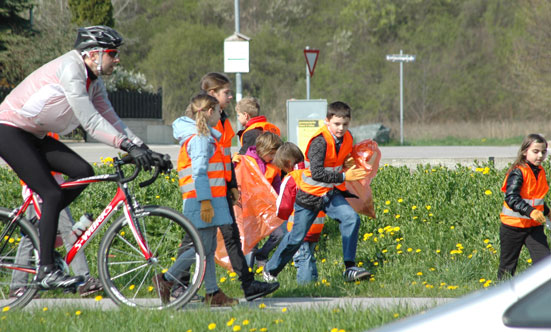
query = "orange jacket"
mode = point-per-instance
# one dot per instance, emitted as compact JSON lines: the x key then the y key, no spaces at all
{"x":225,"y":141}
{"x":215,"y":172}
{"x":265,"y":125}
{"x":533,"y":192}
{"x":271,"y":170}
{"x":333,"y":162}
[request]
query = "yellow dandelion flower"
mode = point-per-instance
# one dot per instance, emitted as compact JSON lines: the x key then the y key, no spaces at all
{"x":222,"y":279}
{"x":387,"y":203}
{"x":529,"y":260}
{"x":488,"y":192}
{"x":122,"y":233}
{"x":173,"y":259}
{"x":432,"y":269}
{"x":360,"y":264}
{"x":284,"y":310}
{"x":45,"y":309}
{"x":396,"y":315}
{"x":230,"y":322}
{"x":323,"y":260}
{"x":376,"y":263}
{"x":131,"y":287}
{"x":385,"y":211}
{"x":452,"y":227}
{"x":384,"y":251}
{"x":259,"y":269}
{"x":414,"y":282}
{"x":417,"y":250}
{"x":164,"y":270}
{"x":438,"y":251}
{"x":77,"y":313}
{"x":212,"y":326}
{"x":419,"y":273}
{"x":262,"y":306}
{"x":410,"y":249}
{"x":334,"y":329}
{"x":430,"y":214}
{"x":400,"y":200}
{"x":237,"y":328}
{"x":157,"y":197}
{"x":98,"y":298}
{"x":486,"y":240}
{"x":397,"y":216}
{"x":245,"y":322}
{"x":414,"y":207}
{"x":150,"y":288}
{"x":428,"y":207}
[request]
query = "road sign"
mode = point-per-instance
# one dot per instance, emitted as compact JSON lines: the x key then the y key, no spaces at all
{"x":400,"y":57}
{"x":236,"y":53}
{"x":311,"y":59}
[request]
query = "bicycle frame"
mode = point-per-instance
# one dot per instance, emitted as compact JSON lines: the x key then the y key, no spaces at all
{"x":122,"y":197}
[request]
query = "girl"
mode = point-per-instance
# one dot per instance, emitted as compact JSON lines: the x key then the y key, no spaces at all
{"x":203,"y":189}
{"x":524,"y":210}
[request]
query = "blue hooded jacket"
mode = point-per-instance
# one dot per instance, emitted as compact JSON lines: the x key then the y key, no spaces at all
{"x":200,"y":149}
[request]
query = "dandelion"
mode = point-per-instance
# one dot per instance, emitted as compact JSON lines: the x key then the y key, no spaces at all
{"x":261,"y":306}
{"x":237,"y":328}
{"x":323,"y":260}
{"x":481,"y":280}
{"x":98,"y":298}
{"x":419,"y":273}
{"x":488,"y":192}
{"x":396,"y":315}
{"x":45,"y":309}
{"x":397,"y":216}
{"x":245,"y":322}
{"x":418,"y":250}
{"x":438,"y":251}
{"x":387,"y":203}
{"x":529,"y":261}
{"x":212,"y":326}
{"x":432,"y":269}
{"x":384,"y":251}
{"x":157,"y":197}
{"x":360,"y":264}
{"x":487,"y":283}
{"x":376,"y":263}
{"x":414,"y":207}
{"x":131,"y":287}
{"x":410,"y":249}
{"x":385,"y":211}
{"x":452,"y":227}
{"x":259,"y":269}
{"x":400,"y":200}
{"x":486,"y":240}
{"x":150,"y":288}
{"x":233,"y":274}
{"x":230,"y":322}
{"x":284,"y":310}
{"x":77,"y":313}
{"x":428,"y":207}
{"x":222,"y":279}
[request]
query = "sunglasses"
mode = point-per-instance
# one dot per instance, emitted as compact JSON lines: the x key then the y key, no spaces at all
{"x":112,"y":53}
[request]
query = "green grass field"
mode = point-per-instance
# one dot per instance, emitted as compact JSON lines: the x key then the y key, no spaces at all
{"x":435,"y":235}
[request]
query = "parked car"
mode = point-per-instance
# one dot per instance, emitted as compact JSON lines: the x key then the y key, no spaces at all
{"x":522,"y":303}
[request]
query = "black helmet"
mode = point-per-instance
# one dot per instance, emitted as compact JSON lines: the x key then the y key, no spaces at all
{"x":98,"y":36}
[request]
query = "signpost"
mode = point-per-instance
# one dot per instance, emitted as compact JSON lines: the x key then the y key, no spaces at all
{"x":311,"y":56}
{"x":401,"y":58}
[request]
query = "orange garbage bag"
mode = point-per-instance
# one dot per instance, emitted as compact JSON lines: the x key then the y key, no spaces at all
{"x":367,"y":155}
{"x":256,"y":217}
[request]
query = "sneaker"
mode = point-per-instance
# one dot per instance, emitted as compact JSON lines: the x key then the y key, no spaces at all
{"x":356,"y":273}
{"x":258,"y":289}
{"x":179,"y":290}
{"x":91,"y":286}
{"x":267,"y":276}
{"x":163,"y":287}
{"x":219,"y":299}
{"x":51,"y":277}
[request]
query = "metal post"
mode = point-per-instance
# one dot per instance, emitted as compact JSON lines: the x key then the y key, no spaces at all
{"x":238,"y":88}
{"x":307,"y":79}
{"x":401,"y":100}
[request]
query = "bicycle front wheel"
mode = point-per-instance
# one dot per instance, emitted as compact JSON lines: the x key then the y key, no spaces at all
{"x":18,"y":261}
{"x":129,"y":279}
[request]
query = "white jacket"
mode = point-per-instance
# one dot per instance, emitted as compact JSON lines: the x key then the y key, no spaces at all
{"x":59,"y":96}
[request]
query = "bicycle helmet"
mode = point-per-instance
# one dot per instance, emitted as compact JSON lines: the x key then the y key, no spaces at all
{"x":97,"y":37}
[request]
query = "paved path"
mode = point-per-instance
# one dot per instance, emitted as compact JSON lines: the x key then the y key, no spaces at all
{"x":271,"y":303}
{"x":409,"y":156}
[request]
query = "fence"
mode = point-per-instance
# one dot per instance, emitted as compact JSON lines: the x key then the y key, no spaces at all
{"x":127,"y":104}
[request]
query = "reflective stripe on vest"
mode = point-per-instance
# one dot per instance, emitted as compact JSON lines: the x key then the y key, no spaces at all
{"x":333,"y":162}
{"x":532,"y":192}
{"x":225,"y":141}
{"x":266,"y":126}
{"x":215,"y":172}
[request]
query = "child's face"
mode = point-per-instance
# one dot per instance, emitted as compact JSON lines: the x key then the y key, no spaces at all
{"x":289,"y":167}
{"x":213,"y":116}
{"x":536,"y":153}
{"x":338,"y":126}
{"x":268,"y":157}
{"x":224,"y":96}
{"x":243,"y":118}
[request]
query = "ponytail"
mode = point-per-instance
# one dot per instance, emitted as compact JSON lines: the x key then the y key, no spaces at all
{"x":197,"y":110}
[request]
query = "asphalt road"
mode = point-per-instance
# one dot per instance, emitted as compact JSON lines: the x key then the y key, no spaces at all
{"x":409,"y":156}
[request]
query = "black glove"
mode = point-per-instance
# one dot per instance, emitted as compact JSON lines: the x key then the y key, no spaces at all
{"x":162,"y":161}
{"x":140,"y":154}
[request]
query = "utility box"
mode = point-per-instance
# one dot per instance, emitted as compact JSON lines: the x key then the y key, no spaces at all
{"x":304,"y":118}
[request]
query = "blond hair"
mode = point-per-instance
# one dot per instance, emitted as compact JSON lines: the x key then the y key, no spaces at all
{"x":267,"y":143}
{"x":248,"y":105}
{"x":197,"y":110}
{"x":288,"y":155}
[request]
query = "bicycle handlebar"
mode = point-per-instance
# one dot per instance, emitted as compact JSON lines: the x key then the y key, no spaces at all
{"x":162,"y":164}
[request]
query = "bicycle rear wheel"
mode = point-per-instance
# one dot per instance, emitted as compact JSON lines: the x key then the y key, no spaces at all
{"x":18,"y":262}
{"x":128,"y":278}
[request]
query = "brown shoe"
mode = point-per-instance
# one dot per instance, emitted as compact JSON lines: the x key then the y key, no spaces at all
{"x":219,"y":299}
{"x":163,"y":287}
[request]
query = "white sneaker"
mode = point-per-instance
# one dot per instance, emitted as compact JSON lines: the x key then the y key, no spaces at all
{"x":356,"y":273}
{"x":267,"y":276}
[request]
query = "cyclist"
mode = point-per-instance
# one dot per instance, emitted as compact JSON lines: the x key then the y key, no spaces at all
{"x":58,"y":97}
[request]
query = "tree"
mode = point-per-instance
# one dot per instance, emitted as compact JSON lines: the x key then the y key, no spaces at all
{"x":92,"y":12}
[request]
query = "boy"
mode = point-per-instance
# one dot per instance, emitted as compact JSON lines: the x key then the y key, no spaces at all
{"x":247,"y":114}
{"x":323,"y":189}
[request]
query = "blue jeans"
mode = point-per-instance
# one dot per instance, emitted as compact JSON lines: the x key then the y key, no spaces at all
{"x":184,"y":261}
{"x":305,"y":262}
{"x":337,"y":208}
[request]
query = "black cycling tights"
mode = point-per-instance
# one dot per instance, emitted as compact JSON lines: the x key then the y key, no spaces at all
{"x":33,"y":159}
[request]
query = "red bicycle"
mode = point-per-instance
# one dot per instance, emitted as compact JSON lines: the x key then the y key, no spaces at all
{"x":141,"y":243}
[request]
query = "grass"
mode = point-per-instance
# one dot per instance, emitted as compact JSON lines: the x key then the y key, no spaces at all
{"x":435,"y":235}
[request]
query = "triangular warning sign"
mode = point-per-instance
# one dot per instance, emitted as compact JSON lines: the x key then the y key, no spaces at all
{"x":311,"y":60}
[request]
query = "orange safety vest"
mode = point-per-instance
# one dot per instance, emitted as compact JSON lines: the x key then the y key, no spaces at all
{"x":215,"y":172}
{"x":532,"y":192}
{"x":315,"y":230}
{"x":225,"y":141}
{"x":333,"y":162}
{"x":265,"y":125}
{"x":271,"y":170}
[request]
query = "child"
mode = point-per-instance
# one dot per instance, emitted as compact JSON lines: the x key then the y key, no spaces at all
{"x":291,"y":160}
{"x":262,"y":154}
{"x":203,"y":192}
{"x":218,"y":86}
{"x":323,"y":189}
{"x":247,"y":114}
{"x":524,"y":210}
